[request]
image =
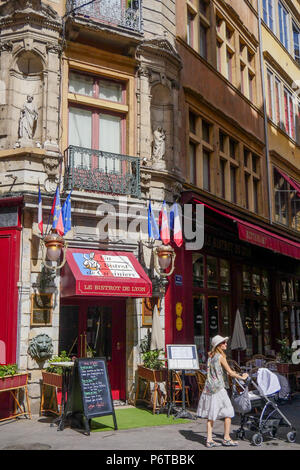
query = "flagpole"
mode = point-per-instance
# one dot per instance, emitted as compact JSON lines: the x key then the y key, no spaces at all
{"x":51,"y":210}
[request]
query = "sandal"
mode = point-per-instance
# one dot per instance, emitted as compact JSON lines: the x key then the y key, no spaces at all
{"x":210,"y":444}
{"x":229,"y":443}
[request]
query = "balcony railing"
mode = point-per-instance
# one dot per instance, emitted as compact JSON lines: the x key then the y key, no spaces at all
{"x":103,"y":172}
{"x":121,"y":13}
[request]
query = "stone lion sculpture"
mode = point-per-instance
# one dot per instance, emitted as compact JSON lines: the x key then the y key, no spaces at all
{"x":40,"y":347}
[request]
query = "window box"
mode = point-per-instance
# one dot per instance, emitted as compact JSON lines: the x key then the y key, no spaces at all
{"x":10,"y":382}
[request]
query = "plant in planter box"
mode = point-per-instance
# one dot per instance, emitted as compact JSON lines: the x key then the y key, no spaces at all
{"x":9,"y":369}
{"x":151,"y":359}
{"x":53,"y":374}
{"x":10,"y":377}
{"x":61,"y":358}
{"x":285,"y":352}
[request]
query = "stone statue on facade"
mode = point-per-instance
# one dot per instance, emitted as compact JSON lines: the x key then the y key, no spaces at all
{"x":28,"y":119}
{"x":41,"y":347}
{"x":159,"y":143}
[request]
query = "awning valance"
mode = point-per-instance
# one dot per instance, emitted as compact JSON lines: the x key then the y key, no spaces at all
{"x":290,"y":181}
{"x":258,"y":236}
{"x":103,"y":273}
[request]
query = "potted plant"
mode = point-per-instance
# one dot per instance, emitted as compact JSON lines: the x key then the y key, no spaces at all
{"x":53,"y":374}
{"x":152,"y":368}
{"x":285,"y":354}
{"x":11,"y":378}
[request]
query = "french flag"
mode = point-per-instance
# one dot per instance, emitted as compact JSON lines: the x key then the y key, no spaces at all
{"x":58,"y":224}
{"x":40,"y":213}
{"x":176,"y":224}
{"x":164,"y":228}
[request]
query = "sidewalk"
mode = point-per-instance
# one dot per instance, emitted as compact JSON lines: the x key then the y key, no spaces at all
{"x":37,"y":434}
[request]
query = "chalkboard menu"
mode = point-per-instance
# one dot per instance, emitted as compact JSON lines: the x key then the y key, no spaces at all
{"x":91,"y":392}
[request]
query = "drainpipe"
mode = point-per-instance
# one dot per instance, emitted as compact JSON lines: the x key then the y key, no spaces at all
{"x":265,"y":114}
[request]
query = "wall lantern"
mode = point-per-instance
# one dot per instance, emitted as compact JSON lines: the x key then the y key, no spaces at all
{"x":54,"y":245}
{"x":164,"y":258}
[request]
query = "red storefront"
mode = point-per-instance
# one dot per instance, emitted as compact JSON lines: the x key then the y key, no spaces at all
{"x":241,"y":265}
{"x":10,"y":239}
{"x":94,"y":289}
{"x":10,"y":236}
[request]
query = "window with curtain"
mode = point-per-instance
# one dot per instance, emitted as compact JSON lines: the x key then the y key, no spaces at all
{"x":289,"y":113}
{"x":91,"y":126}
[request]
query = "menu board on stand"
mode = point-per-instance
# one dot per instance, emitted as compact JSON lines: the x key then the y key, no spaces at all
{"x":90,"y":395}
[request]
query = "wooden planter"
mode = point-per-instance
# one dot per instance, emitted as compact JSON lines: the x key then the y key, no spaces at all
{"x":159,"y":375}
{"x":12,"y":384}
{"x":13,"y":381}
{"x":52,"y":379}
{"x":286,"y":368}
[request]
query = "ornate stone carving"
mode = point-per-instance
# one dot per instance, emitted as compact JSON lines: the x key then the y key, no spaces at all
{"x":41,"y":347}
{"x":145,"y":183}
{"x":176,"y":189}
{"x":51,"y":165}
{"x":159,"y":144}
{"x":6,"y":46}
{"x":28,"y":119}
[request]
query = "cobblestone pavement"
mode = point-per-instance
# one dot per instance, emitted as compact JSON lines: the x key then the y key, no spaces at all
{"x":38,"y":434}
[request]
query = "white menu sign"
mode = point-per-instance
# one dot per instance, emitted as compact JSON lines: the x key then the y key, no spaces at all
{"x":182,"y":357}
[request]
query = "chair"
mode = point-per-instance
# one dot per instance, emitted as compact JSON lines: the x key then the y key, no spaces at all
{"x":177,"y":391}
{"x":272,"y":365}
{"x":234,"y":365}
{"x":200,"y":378}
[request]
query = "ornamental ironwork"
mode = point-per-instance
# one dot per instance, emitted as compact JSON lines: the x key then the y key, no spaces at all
{"x":99,"y":171}
{"x":122,"y":13}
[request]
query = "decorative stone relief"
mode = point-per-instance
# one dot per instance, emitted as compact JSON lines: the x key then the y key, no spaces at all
{"x":159,"y":144}
{"x":41,"y":347}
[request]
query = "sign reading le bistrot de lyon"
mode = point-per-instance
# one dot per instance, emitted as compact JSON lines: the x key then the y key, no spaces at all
{"x":108,"y":273}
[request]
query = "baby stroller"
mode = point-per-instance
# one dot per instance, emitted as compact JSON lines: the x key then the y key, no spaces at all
{"x":258,"y":409}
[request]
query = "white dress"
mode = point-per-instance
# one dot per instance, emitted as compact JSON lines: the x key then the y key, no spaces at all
{"x":214,"y":402}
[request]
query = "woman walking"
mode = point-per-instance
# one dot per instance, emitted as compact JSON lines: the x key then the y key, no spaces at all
{"x":214,"y":402}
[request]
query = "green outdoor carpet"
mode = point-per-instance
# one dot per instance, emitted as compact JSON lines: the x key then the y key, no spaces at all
{"x":130,"y":418}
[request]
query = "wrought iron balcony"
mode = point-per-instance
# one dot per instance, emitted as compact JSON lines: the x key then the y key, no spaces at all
{"x":125,"y":14}
{"x":103,"y":172}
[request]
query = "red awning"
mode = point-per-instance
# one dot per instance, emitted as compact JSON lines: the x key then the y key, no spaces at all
{"x":103,"y":273}
{"x":258,"y":236}
{"x":290,"y":180}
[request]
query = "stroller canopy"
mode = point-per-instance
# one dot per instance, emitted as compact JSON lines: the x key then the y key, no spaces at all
{"x":267,"y":381}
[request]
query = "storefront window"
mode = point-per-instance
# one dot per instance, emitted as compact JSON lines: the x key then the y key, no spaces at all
{"x":198,"y":270}
{"x":224,"y":274}
{"x":265,"y":284}
{"x":199,"y":326}
{"x":257,"y":328}
{"x":213,"y":316}
{"x":291,"y":289}
{"x":256,"y":283}
{"x":212,"y":272}
{"x":297,"y":291}
{"x":246,"y":279}
{"x":284,"y":323}
{"x":283,"y":290}
{"x":266,"y":328}
{"x":225,"y":316}
{"x":248,"y":328}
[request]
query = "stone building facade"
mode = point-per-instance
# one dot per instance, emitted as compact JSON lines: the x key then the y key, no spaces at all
{"x":168,"y":97}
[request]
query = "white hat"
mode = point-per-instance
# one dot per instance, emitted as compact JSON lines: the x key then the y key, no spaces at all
{"x":216,"y":340}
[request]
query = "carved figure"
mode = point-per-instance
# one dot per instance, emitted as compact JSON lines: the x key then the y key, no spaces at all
{"x":41,"y":347}
{"x":159,"y":143}
{"x":28,"y":119}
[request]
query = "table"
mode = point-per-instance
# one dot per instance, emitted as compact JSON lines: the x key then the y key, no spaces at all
{"x":66,"y":375}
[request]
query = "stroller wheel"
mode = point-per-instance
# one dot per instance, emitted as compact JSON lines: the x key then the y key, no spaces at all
{"x":291,"y":436}
{"x":241,"y":435}
{"x":257,"y":439}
